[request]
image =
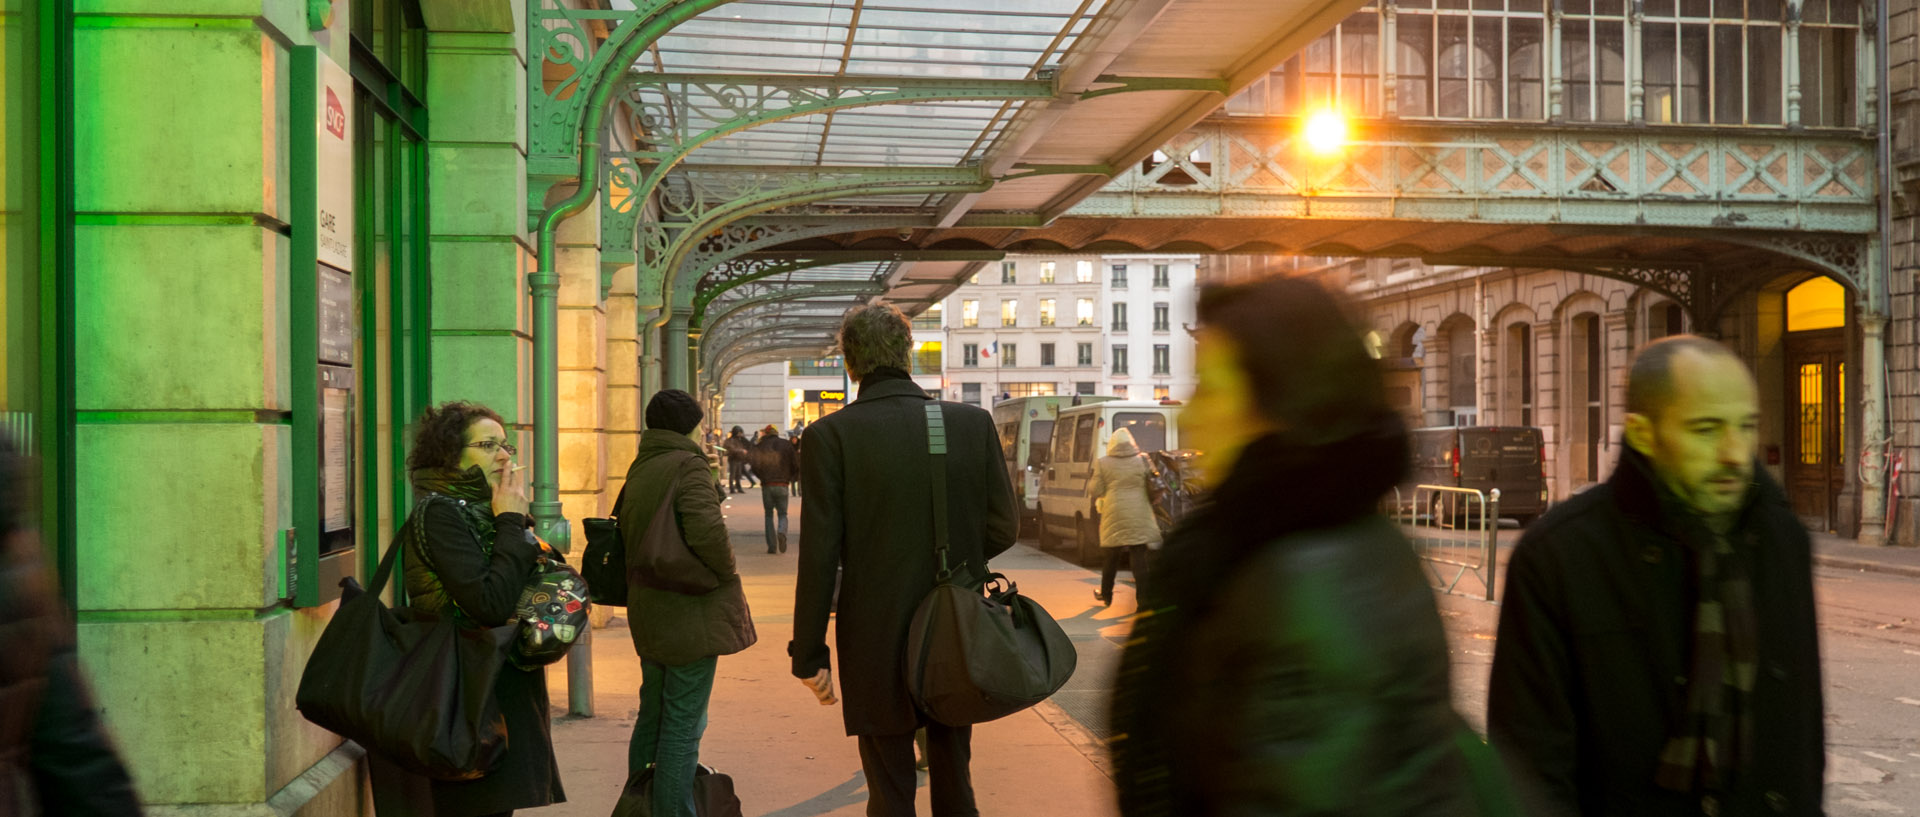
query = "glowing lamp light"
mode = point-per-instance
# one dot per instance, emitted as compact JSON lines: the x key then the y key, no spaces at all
{"x":1326,"y":132}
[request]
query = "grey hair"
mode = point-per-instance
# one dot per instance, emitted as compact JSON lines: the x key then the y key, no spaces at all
{"x":1650,"y":380}
{"x":875,"y":335}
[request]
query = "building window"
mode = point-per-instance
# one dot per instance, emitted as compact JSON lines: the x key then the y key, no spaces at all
{"x":970,"y":355}
{"x":821,"y":367}
{"x":927,"y":357}
{"x":931,"y":318}
{"x":1162,"y":316}
{"x":1083,"y":312}
{"x":1085,"y":387}
{"x":1119,"y":317}
{"x":1119,"y":276}
{"x":1119,"y":358}
{"x":1083,"y":272}
{"x":1120,"y":390}
{"x":974,"y":278}
{"x":1009,"y":313}
{"x":1518,"y":387}
{"x":1341,"y":70}
{"x":1046,"y":272}
{"x":970,"y":394}
{"x":1829,"y":31}
{"x":1487,"y":63}
{"x":1593,"y":45}
{"x":969,"y":313}
{"x":1083,"y":354}
{"x":1010,"y":355}
{"x":1013,"y":390}
{"x":1161,"y":276}
{"x":1161,"y":393}
{"x":1741,"y":45}
{"x":1162,"y":359}
{"x":1007,"y":272}
{"x":1046,"y":311}
{"x":1046,"y":354}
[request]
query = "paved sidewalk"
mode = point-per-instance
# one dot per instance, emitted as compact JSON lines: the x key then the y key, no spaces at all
{"x":790,"y":757}
{"x":1846,"y":554}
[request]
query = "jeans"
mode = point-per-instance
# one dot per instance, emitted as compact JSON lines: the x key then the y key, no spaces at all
{"x":673,"y":716}
{"x":1136,"y":562}
{"x":737,"y":471}
{"x":773,"y":499}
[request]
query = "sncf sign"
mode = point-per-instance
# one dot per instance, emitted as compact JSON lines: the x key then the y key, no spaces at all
{"x":336,"y":116}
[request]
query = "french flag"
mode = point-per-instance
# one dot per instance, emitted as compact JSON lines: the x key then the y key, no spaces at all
{"x":990,"y":350}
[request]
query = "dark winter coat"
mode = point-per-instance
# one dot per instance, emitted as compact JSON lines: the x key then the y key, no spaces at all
{"x":51,"y":740}
{"x":674,"y":628}
{"x":476,"y":563}
{"x":869,"y":511}
{"x":775,"y":460}
{"x":738,"y":447}
{"x":1293,"y":661}
{"x":1590,"y":669}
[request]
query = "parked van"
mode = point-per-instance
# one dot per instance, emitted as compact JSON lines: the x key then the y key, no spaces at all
{"x":1080,"y":437}
{"x":1026,"y":440}
{"x":1510,"y":458}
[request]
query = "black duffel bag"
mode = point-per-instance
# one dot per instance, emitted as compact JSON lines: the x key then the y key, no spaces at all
{"x":712,"y":795}
{"x":977,"y":654}
{"x":605,"y":563}
{"x":408,"y":685}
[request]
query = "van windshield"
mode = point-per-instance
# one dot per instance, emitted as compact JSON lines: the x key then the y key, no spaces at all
{"x":1149,"y":428}
{"x":1039,"y":438}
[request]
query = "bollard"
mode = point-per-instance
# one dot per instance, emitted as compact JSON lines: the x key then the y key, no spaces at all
{"x":580,"y":675}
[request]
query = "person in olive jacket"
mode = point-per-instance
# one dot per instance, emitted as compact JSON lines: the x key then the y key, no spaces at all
{"x":679,"y":637}
{"x":1658,"y":653}
{"x":869,"y":510}
{"x":1291,"y":658}
{"x":470,"y":551}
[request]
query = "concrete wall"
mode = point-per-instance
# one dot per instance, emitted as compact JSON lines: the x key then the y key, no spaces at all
{"x":756,"y":397}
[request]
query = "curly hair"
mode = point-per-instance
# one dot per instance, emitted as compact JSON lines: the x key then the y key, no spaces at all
{"x":875,"y":335}
{"x":441,"y":433}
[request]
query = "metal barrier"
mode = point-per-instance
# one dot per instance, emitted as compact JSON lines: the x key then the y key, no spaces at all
{"x":1452,"y":530}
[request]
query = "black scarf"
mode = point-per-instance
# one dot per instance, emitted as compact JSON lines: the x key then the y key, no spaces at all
{"x":1279,"y":486}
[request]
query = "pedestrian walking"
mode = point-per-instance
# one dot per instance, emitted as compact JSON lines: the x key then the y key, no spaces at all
{"x":777,"y":461}
{"x":678,"y":637}
{"x":870,"y":513}
{"x":55,"y":756}
{"x":470,"y":550}
{"x":1657,"y":651}
{"x":739,"y":451}
{"x":1127,"y":527}
{"x":1291,"y":659}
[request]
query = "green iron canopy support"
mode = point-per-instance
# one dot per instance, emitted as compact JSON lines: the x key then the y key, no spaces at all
{"x":849,"y":290}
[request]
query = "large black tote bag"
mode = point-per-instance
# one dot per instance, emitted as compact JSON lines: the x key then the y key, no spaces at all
{"x":977,"y":654}
{"x":409,"y":686}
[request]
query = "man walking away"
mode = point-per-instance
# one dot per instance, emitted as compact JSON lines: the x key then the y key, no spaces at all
{"x":738,"y":450}
{"x":1657,"y":652}
{"x":777,"y":462}
{"x":870,"y":512}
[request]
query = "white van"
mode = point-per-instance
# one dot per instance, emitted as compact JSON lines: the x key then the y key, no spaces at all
{"x":1080,"y":437}
{"x":1026,"y":441}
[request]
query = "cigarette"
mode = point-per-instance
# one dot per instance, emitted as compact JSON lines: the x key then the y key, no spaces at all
{"x":518,"y":468}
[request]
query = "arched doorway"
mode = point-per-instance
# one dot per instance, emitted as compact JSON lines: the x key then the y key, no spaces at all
{"x":1815,"y":399}
{"x":1585,"y":408}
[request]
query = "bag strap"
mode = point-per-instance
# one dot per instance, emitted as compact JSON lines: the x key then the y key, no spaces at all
{"x":937,"y":449}
{"x":384,"y":572}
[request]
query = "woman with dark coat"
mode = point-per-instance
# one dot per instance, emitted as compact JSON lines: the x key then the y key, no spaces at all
{"x":1290,"y":659}
{"x":470,"y":552}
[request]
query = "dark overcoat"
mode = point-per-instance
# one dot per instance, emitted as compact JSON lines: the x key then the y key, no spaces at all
{"x":869,"y":512}
{"x":1590,"y":669}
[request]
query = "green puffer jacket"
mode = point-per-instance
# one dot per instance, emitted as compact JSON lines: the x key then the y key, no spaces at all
{"x":670,"y":627}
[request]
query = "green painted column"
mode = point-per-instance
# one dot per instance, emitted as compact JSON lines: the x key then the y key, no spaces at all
{"x":674,"y":353}
{"x":183,"y":397}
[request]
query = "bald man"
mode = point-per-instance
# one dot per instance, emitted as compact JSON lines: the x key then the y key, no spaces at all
{"x":1657,"y":652}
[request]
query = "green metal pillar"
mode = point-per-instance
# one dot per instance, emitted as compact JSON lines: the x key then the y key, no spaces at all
{"x":673,"y":344}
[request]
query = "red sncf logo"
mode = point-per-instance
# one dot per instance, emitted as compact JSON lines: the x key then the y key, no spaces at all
{"x":336,"y":116}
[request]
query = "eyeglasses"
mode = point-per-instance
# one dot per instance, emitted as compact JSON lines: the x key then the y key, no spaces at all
{"x":491,"y":446}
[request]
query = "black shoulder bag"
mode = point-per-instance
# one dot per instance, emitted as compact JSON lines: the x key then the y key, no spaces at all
{"x":604,"y":565}
{"x":974,"y":655}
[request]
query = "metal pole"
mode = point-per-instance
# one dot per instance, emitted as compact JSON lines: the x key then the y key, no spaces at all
{"x":1491,"y":548}
{"x":544,"y":285}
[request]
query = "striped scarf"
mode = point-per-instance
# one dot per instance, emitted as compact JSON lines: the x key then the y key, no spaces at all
{"x":1713,"y":738}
